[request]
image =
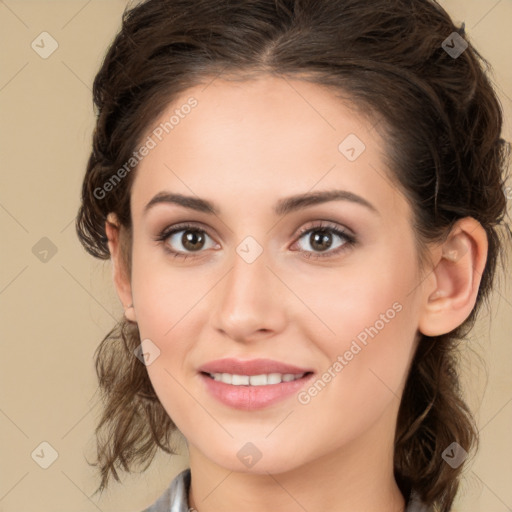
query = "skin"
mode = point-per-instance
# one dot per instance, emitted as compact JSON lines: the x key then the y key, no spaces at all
{"x":245,"y":146}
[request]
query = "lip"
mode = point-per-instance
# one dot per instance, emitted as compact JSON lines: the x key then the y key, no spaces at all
{"x":250,"y":398}
{"x":251,"y":367}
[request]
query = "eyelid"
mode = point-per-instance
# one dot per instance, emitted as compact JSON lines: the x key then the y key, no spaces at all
{"x":182,"y":226}
{"x":327,"y":225}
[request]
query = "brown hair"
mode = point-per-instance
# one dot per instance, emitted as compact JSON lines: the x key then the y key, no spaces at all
{"x":442,"y":122}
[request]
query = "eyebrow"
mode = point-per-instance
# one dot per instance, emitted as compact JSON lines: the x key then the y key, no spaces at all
{"x":282,"y":207}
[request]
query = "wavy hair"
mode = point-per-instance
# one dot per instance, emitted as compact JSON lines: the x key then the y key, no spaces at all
{"x":442,"y":123}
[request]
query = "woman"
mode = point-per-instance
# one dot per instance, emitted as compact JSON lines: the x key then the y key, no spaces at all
{"x":302,"y":203}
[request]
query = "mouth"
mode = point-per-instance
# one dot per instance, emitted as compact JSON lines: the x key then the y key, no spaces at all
{"x":253,"y":392}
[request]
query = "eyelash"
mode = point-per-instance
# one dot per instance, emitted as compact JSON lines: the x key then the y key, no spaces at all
{"x":349,"y":239}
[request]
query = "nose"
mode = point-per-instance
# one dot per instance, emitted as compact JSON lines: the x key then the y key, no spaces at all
{"x":251,"y":301}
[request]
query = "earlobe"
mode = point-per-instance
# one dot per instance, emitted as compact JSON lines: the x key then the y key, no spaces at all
{"x":453,"y":286}
{"x":119,"y":272}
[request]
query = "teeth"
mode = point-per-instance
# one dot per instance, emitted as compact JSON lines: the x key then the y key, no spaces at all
{"x":255,"y":380}
{"x":239,"y":380}
{"x":226,"y":377}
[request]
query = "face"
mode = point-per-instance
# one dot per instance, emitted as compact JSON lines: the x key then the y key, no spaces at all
{"x":325,"y":285}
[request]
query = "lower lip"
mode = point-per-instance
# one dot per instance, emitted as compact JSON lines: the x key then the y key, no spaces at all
{"x":251,"y":398}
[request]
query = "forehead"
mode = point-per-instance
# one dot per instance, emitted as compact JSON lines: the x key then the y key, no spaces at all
{"x":261,"y":137}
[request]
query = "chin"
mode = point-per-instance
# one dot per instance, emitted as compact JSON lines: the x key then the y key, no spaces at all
{"x":254,"y":457}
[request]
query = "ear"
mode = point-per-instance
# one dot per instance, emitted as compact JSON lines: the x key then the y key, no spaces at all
{"x":452,"y":287}
{"x":119,"y":271}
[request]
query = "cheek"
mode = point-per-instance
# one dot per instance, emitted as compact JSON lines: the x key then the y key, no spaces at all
{"x":357,"y":301}
{"x":367,"y":331}
{"x":171,"y":314}
{"x":366,"y":366}
{"x":164,"y":295}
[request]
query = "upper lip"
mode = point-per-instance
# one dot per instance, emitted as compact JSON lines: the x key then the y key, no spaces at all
{"x":250,"y":367}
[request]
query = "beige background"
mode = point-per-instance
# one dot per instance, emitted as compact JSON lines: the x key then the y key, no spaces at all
{"x":54,"y":313}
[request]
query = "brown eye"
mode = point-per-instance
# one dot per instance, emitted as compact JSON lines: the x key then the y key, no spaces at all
{"x":322,"y":239}
{"x":184,"y":240}
{"x":192,"y":240}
